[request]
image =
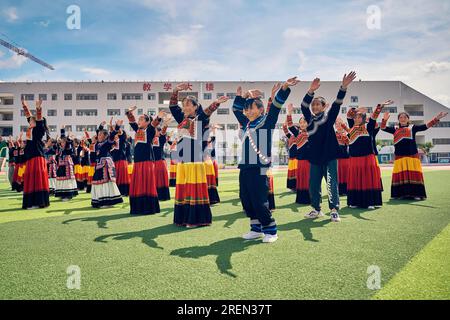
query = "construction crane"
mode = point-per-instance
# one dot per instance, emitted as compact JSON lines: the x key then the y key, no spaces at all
{"x":23,"y":52}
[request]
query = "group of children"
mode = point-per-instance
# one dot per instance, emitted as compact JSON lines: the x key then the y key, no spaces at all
{"x":111,"y":165}
{"x":322,"y":145}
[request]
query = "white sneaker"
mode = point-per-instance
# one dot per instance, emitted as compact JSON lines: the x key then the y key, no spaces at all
{"x":65,"y":199}
{"x":418,"y":199}
{"x":352,"y":207}
{"x":270,"y":238}
{"x":33,"y":208}
{"x":314,"y":214}
{"x":371,"y":208}
{"x":252,"y":235}
{"x":335,"y":217}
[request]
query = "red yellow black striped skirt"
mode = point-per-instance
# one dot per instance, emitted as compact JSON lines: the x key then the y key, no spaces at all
{"x":191,"y":195}
{"x":364,"y":182}
{"x":90,"y":175}
{"x":162,"y":180}
{"x":343,"y":165}
{"x":173,"y":173}
{"x":303,"y":168}
{"x":17,"y":184}
{"x":211,"y":180}
{"x":216,"y":171}
{"x":122,"y":177}
{"x":35,"y":184}
{"x":143,"y":194}
{"x":407,"y":178}
{"x":271,"y":194}
{"x":292,"y":174}
{"x":78,"y":171}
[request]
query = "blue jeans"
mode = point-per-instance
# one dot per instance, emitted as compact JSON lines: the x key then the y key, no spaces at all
{"x":329,"y":171}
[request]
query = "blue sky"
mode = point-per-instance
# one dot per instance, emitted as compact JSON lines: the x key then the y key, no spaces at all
{"x":231,"y":40}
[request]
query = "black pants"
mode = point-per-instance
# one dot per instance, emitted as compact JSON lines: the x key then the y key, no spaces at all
{"x":254,"y":187}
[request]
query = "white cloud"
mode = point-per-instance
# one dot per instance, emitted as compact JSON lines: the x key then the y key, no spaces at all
{"x":176,"y":45}
{"x":11,"y":14}
{"x":436,"y":67}
{"x":13,"y":62}
{"x":295,"y":33}
{"x":95,"y":71}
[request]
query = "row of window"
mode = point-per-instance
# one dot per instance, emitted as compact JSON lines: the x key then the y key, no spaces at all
{"x":164,"y":96}
{"x":109,"y":112}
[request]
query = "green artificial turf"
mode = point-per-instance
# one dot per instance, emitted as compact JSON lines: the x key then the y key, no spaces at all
{"x":147,"y":257}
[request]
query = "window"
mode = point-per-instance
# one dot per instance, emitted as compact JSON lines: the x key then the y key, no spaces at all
{"x":131,"y":96}
{"x":111,"y":96}
{"x":80,"y":128}
{"x":344,"y":110}
{"x":151,"y":96}
{"x":220,"y":94}
{"x":23,"y":128}
{"x":43,"y":96}
{"x":297,"y":111}
{"x":6,"y":116}
{"x":22,"y":113}
{"x":52,"y":128}
{"x":223,"y":111}
{"x":68,"y":128}
{"x":392,"y":124}
{"x":67,"y":96}
{"x":283,"y":111}
{"x":86,"y":96}
{"x":140,"y":112}
{"x":54,"y":97}
{"x":443,"y":124}
{"x":51,"y":113}
{"x":91,"y":128}
{"x":223,"y":145}
{"x":151,"y":112}
{"x":27,"y":97}
{"x":86,"y":112}
{"x":232,"y":126}
{"x":207,"y":96}
{"x":390,"y":109}
{"x":67,"y":113}
{"x":6,"y":131}
{"x":113,"y":112}
{"x":354,"y":99}
{"x":441,"y":141}
{"x":370,"y":109}
{"x":231,"y":95}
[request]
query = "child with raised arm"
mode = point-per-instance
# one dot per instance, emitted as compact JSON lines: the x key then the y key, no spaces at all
{"x":364,"y":189}
{"x":192,"y":206}
{"x":143,"y":193}
{"x":324,"y":148}
{"x":35,"y":179}
{"x":301,"y":156}
{"x":161,"y":173}
{"x":257,"y":129}
{"x":407,"y":176}
{"x":104,"y":192}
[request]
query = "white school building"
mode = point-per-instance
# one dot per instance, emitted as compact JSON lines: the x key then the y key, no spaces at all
{"x":79,"y":105}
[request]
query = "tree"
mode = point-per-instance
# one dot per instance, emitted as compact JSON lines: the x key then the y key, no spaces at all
{"x":426,"y":147}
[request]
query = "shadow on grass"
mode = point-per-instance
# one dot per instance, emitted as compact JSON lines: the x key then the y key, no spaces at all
{"x":230,"y":219}
{"x":223,"y":250}
{"x":409,"y":202}
{"x":148,"y":236}
{"x":305,"y":227}
{"x":356,"y":212}
{"x":101,"y":221}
